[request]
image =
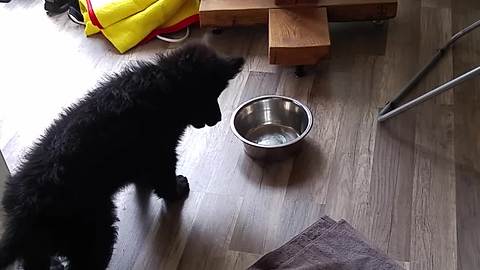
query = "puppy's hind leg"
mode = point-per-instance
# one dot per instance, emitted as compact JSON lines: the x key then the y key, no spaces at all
{"x":94,"y":246}
{"x":36,"y":253}
{"x":95,"y":253}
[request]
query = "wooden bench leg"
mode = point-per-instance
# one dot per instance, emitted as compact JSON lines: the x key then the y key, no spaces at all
{"x":298,"y":36}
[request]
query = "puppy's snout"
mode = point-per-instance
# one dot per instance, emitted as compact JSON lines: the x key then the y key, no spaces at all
{"x":235,"y":66}
{"x":237,"y":62}
{"x":214,"y":120}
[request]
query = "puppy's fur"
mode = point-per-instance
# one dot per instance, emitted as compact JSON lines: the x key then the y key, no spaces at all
{"x":60,"y":200}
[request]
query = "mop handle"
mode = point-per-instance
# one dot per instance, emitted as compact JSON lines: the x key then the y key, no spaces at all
{"x":414,"y":81}
{"x":442,"y":88}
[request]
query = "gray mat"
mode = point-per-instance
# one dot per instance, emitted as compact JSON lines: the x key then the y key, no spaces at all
{"x":327,"y":245}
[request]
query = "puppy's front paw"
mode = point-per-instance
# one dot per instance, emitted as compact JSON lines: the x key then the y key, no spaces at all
{"x":183,"y":188}
{"x":177,"y":192}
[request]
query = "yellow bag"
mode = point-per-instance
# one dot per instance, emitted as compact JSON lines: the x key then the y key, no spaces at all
{"x":126,"y":23}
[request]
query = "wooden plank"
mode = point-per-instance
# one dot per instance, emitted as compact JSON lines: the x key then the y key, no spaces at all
{"x":390,"y":195}
{"x":240,"y":260}
{"x":168,"y":235}
{"x":350,"y":172}
{"x":467,"y":137}
{"x":298,"y":36}
{"x":227,"y":18}
{"x":222,"y":13}
{"x":296,"y":214}
{"x":207,"y":243}
{"x":294,"y":2}
{"x":433,"y":235}
{"x":210,"y":5}
{"x":309,"y":178}
{"x":267,"y":219}
{"x":261,"y":207}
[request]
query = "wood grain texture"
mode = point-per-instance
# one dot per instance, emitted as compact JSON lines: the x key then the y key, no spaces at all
{"x":390,"y":195}
{"x":298,"y":36}
{"x":433,"y":209}
{"x":410,"y":185}
{"x":264,"y":194}
{"x":240,"y":260}
{"x":210,"y":235}
{"x":222,"y":13}
{"x":253,"y":4}
{"x":168,"y":234}
{"x":467,"y":138}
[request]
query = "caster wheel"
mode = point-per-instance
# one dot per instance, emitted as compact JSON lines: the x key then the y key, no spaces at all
{"x":300,"y":71}
{"x":217,"y":31}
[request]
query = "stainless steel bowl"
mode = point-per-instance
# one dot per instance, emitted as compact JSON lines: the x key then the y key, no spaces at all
{"x":271,"y":127}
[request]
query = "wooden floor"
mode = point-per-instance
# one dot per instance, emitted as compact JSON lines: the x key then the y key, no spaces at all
{"x":411,"y":185}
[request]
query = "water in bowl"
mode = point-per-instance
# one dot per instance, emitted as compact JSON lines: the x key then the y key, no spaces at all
{"x":272,"y":134}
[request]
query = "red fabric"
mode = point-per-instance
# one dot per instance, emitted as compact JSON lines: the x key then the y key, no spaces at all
{"x":171,"y":29}
{"x":92,"y":15}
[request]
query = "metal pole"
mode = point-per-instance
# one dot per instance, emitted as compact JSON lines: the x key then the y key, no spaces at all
{"x":414,"y":81}
{"x":442,"y":88}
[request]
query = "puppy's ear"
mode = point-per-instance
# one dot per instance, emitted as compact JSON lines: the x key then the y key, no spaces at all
{"x":235,"y":66}
{"x":186,"y":56}
{"x":193,"y":56}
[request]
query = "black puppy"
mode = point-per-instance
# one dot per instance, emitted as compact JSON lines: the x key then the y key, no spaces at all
{"x":60,"y":200}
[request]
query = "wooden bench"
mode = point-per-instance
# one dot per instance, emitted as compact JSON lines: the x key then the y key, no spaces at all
{"x":298,"y":29}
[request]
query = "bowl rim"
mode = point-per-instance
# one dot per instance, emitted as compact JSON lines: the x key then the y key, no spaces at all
{"x":248,"y":102}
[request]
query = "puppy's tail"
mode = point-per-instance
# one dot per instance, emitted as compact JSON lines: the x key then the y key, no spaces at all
{"x":7,"y":250}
